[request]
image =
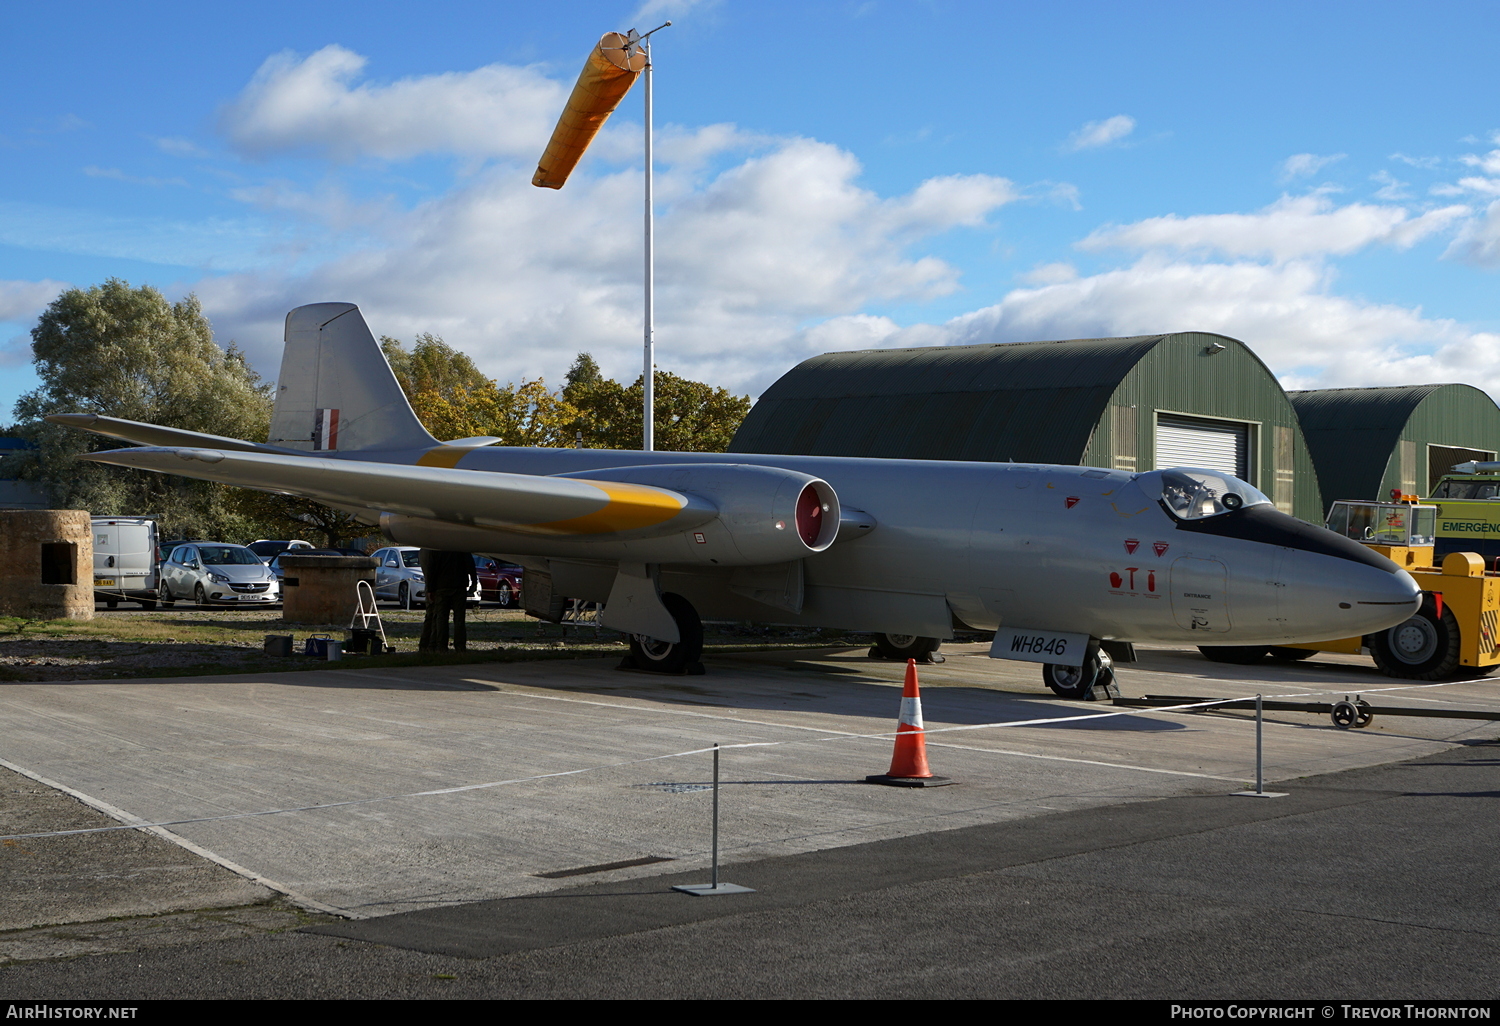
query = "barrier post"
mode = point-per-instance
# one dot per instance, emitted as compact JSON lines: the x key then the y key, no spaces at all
{"x":704,"y":890}
{"x":1260,"y":762}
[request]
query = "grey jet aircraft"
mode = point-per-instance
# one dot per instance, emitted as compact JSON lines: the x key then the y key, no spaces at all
{"x":1065,"y":563}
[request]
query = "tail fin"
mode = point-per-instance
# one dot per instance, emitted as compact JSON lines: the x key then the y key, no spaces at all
{"x":336,"y":390}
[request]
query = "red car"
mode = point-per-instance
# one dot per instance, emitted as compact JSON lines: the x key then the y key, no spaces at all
{"x":499,"y":582}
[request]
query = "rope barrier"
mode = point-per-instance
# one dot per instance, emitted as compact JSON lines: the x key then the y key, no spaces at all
{"x":882,"y":735}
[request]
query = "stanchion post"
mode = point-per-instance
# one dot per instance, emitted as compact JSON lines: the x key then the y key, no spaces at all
{"x":1260,"y":762}
{"x":703,"y":890}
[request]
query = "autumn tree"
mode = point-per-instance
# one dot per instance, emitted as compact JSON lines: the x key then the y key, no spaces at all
{"x":128,"y":352}
{"x":454,"y":400}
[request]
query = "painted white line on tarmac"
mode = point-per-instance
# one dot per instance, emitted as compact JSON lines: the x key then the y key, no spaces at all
{"x":197,"y":849}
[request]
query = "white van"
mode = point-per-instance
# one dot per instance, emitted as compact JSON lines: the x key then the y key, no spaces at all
{"x":125,"y":560}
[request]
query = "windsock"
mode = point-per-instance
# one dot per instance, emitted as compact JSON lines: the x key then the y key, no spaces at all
{"x":606,"y":77}
{"x":909,"y":761}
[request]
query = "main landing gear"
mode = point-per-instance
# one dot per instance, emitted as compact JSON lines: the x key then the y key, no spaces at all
{"x":682,"y":657}
{"x":901,"y":647}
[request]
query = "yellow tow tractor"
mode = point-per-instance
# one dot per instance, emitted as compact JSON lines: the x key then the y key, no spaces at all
{"x":1457,"y":629}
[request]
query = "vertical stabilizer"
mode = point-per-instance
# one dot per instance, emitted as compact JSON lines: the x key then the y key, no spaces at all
{"x":336,"y":390}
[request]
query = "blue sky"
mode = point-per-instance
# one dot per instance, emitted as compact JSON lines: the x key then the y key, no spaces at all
{"x":1321,"y":181}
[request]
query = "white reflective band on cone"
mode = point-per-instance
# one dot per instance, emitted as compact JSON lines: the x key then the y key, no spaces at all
{"x":911,"y":712}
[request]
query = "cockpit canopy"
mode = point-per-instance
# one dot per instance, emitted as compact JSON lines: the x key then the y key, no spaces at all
{"x":1190,"y":493}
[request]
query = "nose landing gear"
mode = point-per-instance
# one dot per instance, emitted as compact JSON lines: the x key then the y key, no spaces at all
{"x":1079,"y":682}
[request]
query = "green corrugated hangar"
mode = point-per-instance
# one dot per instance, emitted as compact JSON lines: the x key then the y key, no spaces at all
{"x":1185,"y":399}
{"x":1366,"y":442}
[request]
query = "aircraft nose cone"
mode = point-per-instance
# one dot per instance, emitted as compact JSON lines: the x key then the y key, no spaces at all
{"x":1379,"y":599}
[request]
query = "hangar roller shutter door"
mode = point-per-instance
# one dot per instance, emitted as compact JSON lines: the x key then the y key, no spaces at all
{"x":1222,"y":445}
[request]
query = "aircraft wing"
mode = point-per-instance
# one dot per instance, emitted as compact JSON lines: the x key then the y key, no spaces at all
{"x":522,"y":503}
{"x":154,"y":434}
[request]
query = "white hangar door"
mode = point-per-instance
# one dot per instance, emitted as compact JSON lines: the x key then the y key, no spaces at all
{"x":1222,"y":445}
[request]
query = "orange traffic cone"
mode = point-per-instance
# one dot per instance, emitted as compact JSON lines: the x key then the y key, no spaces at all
{"x":909,"y":762}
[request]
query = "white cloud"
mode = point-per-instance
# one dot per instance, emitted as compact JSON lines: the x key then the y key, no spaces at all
{"x":1286,"y":313}
{"x":523,"y":278}
{"x":1479,"y":241}
{"x":25,"y":300}
{"x":1303,"y":165}
{"x":1391,"y":188}
{"x":1294,"y":226}
{"x":1100,"y":133}
{"x":314,"y":104}
{"x":1050,"y":274}
{"x":1426,"y":163}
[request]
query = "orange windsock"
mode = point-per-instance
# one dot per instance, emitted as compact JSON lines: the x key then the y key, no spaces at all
{"x":606,"y":77}
{"x":909,"y":761}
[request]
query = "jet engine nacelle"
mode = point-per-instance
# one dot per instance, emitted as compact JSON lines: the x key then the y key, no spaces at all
{"x":765,"y":514}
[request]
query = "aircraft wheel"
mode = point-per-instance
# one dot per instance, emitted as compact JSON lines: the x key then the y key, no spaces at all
{"x":1422,"y":648}
{"x":902,"y":647}
{"x":1241,"y":655}
{"x":1291,"y":655}
{"x":664,"y":656}
{"x":507,"y":597}
{"x":199,"y":595}
{"x":1073,"y":681}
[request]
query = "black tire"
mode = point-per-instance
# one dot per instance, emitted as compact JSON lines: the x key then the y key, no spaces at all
{"x":111,"y":603}
{"x":902,"y":647}
{"x":1422,"y":648}
{"x":507,"y":597}
{"x":1240,"y":655}
{"x":199,"y":595}
{"x":663,"y":656}
{"x":165,"y":593}
{"x":403,"y":595}
{"x":147,"y":604}
{"x":1072,"y":681}
{"x":1291,"y":655}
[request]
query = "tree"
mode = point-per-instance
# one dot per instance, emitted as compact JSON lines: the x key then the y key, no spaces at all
{"x":127,"y":352}
{"x":453,"y":399}
{"x":689,"y":416}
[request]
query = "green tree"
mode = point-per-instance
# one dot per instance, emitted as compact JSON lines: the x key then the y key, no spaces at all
{"x":128,"y":352}
{"x":689,"y":416}
{"x":453,"y":399}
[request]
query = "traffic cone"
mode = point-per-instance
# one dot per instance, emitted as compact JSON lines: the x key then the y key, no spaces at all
{"x":909,"y":761}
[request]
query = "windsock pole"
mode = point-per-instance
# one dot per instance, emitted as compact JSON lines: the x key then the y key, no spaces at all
{"x":648,"y":375}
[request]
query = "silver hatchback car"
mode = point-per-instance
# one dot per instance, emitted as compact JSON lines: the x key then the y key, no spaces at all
{"x":398,"y":575}
{"x":209,"y":572}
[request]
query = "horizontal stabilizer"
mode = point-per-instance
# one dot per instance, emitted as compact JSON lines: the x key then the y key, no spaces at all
{"x":153,"y":434}
{"x":542,"y":506}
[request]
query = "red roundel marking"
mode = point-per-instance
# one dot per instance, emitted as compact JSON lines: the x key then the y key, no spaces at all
{"x":809,"y":516}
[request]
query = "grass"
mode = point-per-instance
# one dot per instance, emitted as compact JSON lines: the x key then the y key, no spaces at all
{"x":190,"y":641}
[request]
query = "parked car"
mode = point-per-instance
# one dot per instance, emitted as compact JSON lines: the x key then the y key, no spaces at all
{"x":210,"y":572}
{"x":499,"y":582}
{"x":268,"y":549}
{"x":125,"y":561}
{"x":398,"y":576}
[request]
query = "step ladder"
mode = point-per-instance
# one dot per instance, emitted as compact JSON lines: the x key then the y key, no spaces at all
{"x":366,"y":614}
